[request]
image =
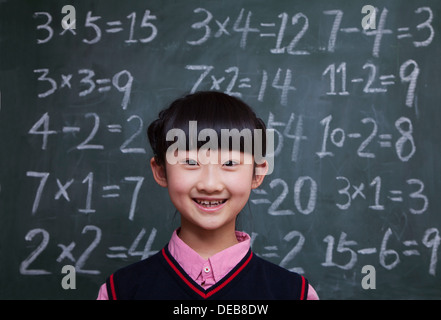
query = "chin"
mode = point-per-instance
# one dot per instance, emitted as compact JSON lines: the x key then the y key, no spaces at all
{"x":213,"y":225}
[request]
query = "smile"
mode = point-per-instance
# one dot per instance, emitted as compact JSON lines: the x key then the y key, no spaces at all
{"x":210,"y":205}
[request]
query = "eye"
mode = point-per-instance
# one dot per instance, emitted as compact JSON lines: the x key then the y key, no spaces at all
{"x":191,"y":162}
{"x":230,"y":163}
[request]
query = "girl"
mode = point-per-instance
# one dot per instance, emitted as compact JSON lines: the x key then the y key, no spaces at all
{"x":206,"y":257}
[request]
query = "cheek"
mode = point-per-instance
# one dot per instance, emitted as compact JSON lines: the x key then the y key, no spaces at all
{"x":241,"y":186}
{"x":177,"y":183}
{"x":178,"y":186}
{"x":178,"y":193}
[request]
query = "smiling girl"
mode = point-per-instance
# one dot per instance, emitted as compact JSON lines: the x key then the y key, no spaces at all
{"x":206,"y":258}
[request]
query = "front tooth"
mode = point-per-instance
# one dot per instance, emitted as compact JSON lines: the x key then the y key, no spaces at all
{"x":208,"y":203}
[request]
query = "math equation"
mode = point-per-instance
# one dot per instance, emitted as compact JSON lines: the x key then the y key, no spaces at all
{"x":353,"y":110}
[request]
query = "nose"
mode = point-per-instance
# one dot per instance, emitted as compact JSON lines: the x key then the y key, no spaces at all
{"x":210,"y":180}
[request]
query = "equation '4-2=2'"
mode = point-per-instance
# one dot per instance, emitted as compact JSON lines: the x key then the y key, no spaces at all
{"x":88,"y":142}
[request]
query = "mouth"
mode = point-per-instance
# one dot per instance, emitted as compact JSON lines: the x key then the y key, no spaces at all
{"x":210,"y":204}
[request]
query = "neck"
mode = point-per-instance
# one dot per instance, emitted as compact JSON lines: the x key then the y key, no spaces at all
{"x":207,"y":242}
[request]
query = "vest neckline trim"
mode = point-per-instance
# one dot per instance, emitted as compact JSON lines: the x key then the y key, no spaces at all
{"x":196,"y":287}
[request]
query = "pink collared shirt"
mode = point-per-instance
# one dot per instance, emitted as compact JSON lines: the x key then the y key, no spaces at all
{"x":206,"y":272}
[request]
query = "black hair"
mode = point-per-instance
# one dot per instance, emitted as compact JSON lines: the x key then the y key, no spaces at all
{"x":211,"y":109}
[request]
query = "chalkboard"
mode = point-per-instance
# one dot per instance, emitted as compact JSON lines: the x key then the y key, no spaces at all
{"x":354,"y":99}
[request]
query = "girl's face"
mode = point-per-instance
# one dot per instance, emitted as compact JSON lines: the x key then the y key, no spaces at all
{"x":209,"y":195}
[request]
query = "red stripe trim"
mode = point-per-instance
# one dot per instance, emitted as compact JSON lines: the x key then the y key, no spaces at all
{"x":231,"y":277}
{"x":112,"y":287}
{"x":181,"y":275}
{"x":302,"y":294}
{"x":202,"y":294}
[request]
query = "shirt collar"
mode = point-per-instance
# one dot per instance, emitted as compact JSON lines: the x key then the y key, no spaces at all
{"x":221,"y":263}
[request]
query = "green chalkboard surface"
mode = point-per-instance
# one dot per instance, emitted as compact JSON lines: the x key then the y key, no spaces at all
{"x":354,"y":99}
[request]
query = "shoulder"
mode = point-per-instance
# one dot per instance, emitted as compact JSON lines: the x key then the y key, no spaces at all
{"x":128,"y":278}
{"x":282,"y":279}
{"x":272,"y":268}
{"x":142,"y":267}
{"x":282,"y":273}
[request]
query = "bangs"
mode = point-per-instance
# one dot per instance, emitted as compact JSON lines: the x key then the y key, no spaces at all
{"x":227,"y":117}
{"x":203,"y":116}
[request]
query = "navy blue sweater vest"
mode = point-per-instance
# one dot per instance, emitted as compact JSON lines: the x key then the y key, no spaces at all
{"x":160,"y":277}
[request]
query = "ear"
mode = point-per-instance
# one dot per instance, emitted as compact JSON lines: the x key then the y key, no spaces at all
{"x":260,"y":172}
{"x":158,"y":173}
